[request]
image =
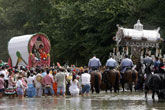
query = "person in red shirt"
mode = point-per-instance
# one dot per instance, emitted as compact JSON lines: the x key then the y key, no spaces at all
{"x":48,"y":84}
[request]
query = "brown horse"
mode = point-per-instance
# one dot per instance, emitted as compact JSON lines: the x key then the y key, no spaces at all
{"x":129,"y":77}
{"x":96,"y":81}
{"x":111,"y":78}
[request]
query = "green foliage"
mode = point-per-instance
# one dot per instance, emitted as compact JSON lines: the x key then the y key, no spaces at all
{"x":76,"y":28}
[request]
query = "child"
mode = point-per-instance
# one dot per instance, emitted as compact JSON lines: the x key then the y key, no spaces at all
{"x":2,"y":82}
{"x":20,"y":90}
{"x":74,"y":87}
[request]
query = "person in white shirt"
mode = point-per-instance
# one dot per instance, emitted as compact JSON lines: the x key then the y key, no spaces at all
{"x":85,"y":82}
{"x":74,"y":86}
{"x":94,"y":63}
{"x":30,"y":92}
{"x":19,"y":85}
{"x":111,"y":63}
{"x":61,"y":79}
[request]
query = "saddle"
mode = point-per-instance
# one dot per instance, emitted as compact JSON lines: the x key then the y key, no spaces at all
{"x":126,"y":68}
{"x":110,"y":67}
{"x":94,"y":68}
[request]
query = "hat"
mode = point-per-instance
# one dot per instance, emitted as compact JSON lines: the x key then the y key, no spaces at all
{"x":39,"y":78}
{"x":81,"y":69}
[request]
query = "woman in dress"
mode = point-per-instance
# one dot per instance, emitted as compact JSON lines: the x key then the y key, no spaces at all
{"x":20,"y":88}
{"x":30,"y":91}
{"x":11,"y":90}
{"x":74,"y":86}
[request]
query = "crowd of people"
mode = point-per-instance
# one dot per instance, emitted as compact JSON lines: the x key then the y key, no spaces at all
{"x":55,"y":81}
{"x":37,"y":82}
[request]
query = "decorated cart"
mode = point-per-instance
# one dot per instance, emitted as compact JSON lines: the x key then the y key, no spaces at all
{"x":134,"y":41}
{"x":29,"y":50}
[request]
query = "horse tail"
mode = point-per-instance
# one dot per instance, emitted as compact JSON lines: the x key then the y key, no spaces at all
{"x":117,"y":78}
{"x":117,"y":81}
{"x":133,"y":75}
{"x":96,"y":83}
{"x":104,"y":77}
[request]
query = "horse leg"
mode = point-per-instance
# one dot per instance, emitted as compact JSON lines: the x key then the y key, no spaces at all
{"x":122,"y":85}
{"x":135,"y":87}
{"x":157,"y":92}
{"x":130,"y":86}
{"x":153,"y":95}
{"x":110,"y":87}
{"x":99,"y":88}
{"x":135,"y":82}
{"x":100,"y":78}
{"x":92,"y":88}
{"x":106,"y":88}
{"x":115,"y":88}
{"x":146,"y":91}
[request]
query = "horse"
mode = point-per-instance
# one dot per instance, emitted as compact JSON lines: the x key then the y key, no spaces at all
{"x":111,"y":78}
{"x":140,"y":69}
{"x":161,"y":94}
{"x":130,"y":77}
{"x":153,"y":83}
{"x":96,"y":78}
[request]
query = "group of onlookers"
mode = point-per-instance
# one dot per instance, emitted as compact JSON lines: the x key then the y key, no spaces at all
{"x":37,"y":82}
{"x":21,"y":81}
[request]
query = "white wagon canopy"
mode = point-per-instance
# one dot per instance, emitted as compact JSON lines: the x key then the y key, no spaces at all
{"x":137,"y":36}
{"x":138,"y":40}
{"x":29,"y":50}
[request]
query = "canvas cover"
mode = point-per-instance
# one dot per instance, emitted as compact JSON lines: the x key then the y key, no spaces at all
{"x":149,"y":35}
{"x":137,"y":36}
{"x":20,"y":44}
{"x":20,"y":50}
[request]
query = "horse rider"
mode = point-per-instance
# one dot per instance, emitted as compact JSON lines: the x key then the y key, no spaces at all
{"x":148,"y":62}
{"x":111,"y":63}
{"x":94,"y":63}
{"x":126,"y":63}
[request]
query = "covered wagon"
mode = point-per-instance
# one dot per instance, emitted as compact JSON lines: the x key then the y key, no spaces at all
{"x":29,"y":50}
